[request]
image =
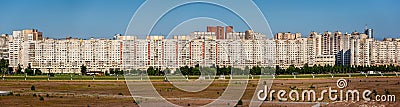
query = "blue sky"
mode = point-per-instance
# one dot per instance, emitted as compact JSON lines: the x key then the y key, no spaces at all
{"x":104,"y":18}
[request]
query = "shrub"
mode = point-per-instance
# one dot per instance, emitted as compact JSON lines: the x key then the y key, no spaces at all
{"x":387,"y":92}
{"x":33,"y":88}
{"x":47,"y":95}
{"x":41,"y":98}
{"x":34,"y":95}
{"x":374,"y":92}
{"x":120,"y":94}
{"x":292,"y":88}
{"x":312,"y":86}
{"x":240,"y":102}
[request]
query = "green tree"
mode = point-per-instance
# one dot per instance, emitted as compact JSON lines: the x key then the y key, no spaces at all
{"x":29,"y":70}
{"x":224,"y":70}
{"x":278,"y":70}
{"x":3,"y":65}
{"x":159,"y":72}
{"x":196,"y":71}
{"x":297,"y":70}
{"x":151,"y":71}
{"x":119,"y":72}
{"x":391,"y":68}
{"x":305,"y":69}
{"x":316,"y":69}
{"x":38,"y":71}
{"x":291,"y":69}
{"x":19,"y":69}
{"x":112,"y":71}
{"x":83,"y":69}
{"x":185,"y":70}
{"x":255,"y":70}
{"x":167,"y":71}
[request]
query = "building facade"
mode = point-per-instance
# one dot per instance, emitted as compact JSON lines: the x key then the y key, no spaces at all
{"x":240,"y":49}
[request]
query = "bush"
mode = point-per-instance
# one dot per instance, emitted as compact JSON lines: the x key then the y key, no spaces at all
{"x":120,"y":94}
{"x":292,"y":87}
{"x":387,"y":92}
{"x":34,"y":95}
{"x":33,"y":88}
{"x":41,"y":98}
{"x":38,"y":72}
{"x":240,"y":102}
{"x":312,"y":86}
{"x":374,"y":92}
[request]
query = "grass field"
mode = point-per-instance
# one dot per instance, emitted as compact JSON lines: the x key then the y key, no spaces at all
{"x":107,"y":91}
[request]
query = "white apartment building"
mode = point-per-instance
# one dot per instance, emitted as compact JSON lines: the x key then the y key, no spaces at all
{"x":68,"y":55}
{"x":238,"y":49}
{"x":4,"y":49}
{"x":295,"y":52}
{"x":360,"y":54}
{"x":200,"y":48}
{"x":21,"y":46}
{"x":386,"y":52}
{"x":324,"y":60}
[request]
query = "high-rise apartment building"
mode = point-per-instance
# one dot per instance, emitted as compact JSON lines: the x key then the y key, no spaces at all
{"x":240,"y":49}
{"x":68,"y":55}
{"x":4,"y":49}
{"x":218,"y":30}
{"x":287,"y":36}
{"x":21,"y":47}
{"x":229,"y":29}
{"x":385,"y":52}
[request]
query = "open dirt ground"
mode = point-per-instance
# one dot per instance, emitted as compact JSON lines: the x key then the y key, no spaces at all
{"x":116,"y":93}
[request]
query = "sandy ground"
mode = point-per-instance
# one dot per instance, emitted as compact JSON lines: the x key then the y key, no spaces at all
{"x":116,"y":93}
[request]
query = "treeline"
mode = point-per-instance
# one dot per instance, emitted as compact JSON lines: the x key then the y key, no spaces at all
{"x":317,"y":69}
{"x":185,"y":70}
{"x":225,"y":70}
{"x":257,"y":70}
{"x":197,"y":70}
{"x":6,"y":70}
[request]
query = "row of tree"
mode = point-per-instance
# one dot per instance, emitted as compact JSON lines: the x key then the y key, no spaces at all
{"x":29,"y":71}
{"x":317,"y":69}
{"x":197,"y":70}
{"x":255,"y":70}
